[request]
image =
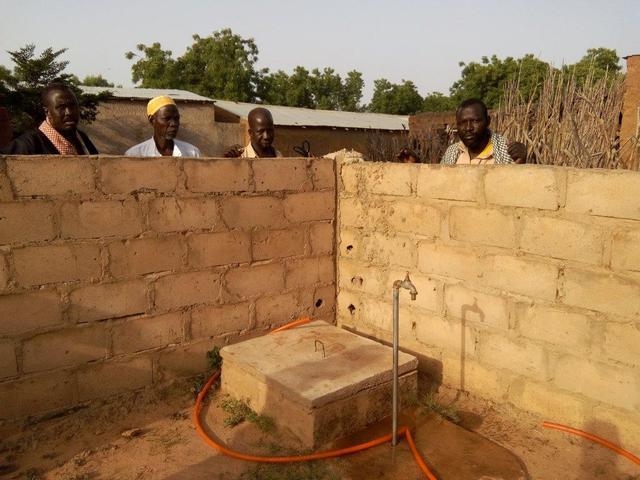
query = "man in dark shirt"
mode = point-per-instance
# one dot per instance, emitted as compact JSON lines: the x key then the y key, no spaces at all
{"x":58,"y":134}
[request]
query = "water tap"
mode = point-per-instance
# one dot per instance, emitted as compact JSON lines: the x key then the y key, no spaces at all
{"x":406,"y":283}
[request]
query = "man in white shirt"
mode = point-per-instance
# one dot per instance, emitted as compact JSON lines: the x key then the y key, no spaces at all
{"x":165,"y":119}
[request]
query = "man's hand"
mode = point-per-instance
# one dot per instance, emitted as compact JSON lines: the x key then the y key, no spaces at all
{"x":517,"y":151}
{"x":234,"y":151}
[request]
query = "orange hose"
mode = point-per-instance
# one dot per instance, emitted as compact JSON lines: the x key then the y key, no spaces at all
{"x":197,"y":409}
{"x":594,"y":438}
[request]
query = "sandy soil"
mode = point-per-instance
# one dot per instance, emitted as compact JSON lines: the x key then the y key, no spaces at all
{"x":96,"y":443}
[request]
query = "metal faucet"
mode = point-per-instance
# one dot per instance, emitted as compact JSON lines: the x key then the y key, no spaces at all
{"x":397,"y":285}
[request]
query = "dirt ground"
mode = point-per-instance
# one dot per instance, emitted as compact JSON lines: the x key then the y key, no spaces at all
{"x":149,"y":435}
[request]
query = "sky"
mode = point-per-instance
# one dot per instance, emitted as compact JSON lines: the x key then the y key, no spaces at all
{"x":422,"y":41}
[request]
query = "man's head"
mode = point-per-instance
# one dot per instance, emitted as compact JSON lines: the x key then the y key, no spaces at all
{"x":261,"y":129}
{"x":472,"y":122}
{"x":164,"y":117}
{"x":60,"y":107}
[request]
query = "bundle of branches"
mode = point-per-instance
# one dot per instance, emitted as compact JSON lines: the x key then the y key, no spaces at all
{"x":566,"y":122}
{"x":429,"y":145}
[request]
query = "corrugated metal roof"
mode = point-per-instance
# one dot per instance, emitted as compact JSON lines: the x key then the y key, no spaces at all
{"x":283,"y":116}
{"x":307,"y":117}
{"x":147,"y":93}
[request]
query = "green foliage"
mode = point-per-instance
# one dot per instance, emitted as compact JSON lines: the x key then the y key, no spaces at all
{"x":238,"y":411}
{"x":324,"y":89}
{"x":429,"y":403}
{"x":437,"y":102}
{"x":96,"y":81}
{"x":214,"y":359}
{"x":486,"y":80}
{"x":20,"y":89}
{"x":399,"y":99}
{"x":599,"y":62}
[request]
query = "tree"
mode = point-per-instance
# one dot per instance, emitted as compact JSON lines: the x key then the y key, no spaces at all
{"x":20,"y":89}
{"x":486,"y":80}
{"x":438,"y":102}
{"x":220,"y":66}
{"x":399,"y":99}
{"x":96,"y":81}
{"x":599,"y":62}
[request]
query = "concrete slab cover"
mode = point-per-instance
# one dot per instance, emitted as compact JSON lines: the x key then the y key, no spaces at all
{"x":295,"y":361}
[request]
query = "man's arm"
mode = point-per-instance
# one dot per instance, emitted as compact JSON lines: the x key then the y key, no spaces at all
{"x":234,"y":151}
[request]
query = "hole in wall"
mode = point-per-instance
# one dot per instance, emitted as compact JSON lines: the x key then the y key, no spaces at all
{"x":351,"y":309}
{"x":357,"y":281}
{"x":318,"y":302}
{"x":349,"y":248}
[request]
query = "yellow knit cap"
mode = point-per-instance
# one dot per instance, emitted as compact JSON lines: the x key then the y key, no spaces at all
{"x":157,"y":103}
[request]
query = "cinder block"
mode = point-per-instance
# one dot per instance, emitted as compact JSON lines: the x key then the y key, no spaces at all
{"x":4,"y":273}
{"x":606,"y":383}
{"x":268,"y":244}
{"x":482,"y":225}
{"x":352,"y":213}
{"x":6,"y":192}
{"x":113,"y":300}
{"x":211,"y":249}
{"x":446,"y":334}
{"x":324,"y":301}
{"x":475,"y":306}
{"x":448,"y":261}
{"x":145,"y":255}
{"x":625,"y":252}
{"x":136,"y":334}
{"x":310,"y":206}
{"x":309,"y":272}
{"x":626,"y":424}
{"x":219,"y":175}
{"x":621,"y":342}
{"x":26,"y":222}
{"x":170,"y":214}
{"x":359,"y":277}
{"x":323,"y":174}
{"x":609,"y":193}
{"x":248,"y":212}
{"x":522,"y":186}
{"x":519,"y":356}
{"x":449,"y":183}
{"x":377,"y":318}
{"x":126,"y":175}
{"x":65,"y":348}
{"x":8,"y":365}
{"x":280,"y":309}
{"x":603,"y":292}
{"x":472,"y":376}
{"x":515,"y":274}
{"x":350,"y":243}
{"x":271,"y":174}
{"x":322,"y":238}
{"x":552,"y":403}
{"x":186,"y":289}
{"x":350,"y":308}
{"x":556,"y":327}
{"x":53,"y":175}
{"x":29,"y":311}
{"x":415,"y":218}
{"x":37,"y":394}
{"x":104,"y":379}
{"x":246,"y":282}
{"x":380,"y":249}
{"x":560,"y":238}
{"x":429,"y":290}
{"x":56,"y":263}
{"x":351,"y":175}
{"x":214,"y":321}
{"x":391,"y":178}
{"x":101,"y":219}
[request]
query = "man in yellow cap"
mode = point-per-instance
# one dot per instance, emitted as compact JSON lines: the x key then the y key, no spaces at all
{"x":165,"y":119}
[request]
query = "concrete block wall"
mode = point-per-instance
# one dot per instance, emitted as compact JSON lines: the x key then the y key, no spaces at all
{"x":528,"y":280}
{"x":117,"y":273}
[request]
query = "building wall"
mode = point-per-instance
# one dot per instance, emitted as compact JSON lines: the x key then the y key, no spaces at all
{"x":528,"y":281}
{"x":120,"y":124}
{"x":428,"y":121}
{"x":631,"y":105}
{"x":118,"y":273}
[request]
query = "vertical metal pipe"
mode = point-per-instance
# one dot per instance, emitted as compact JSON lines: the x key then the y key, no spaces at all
{"x":396,"y":335}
